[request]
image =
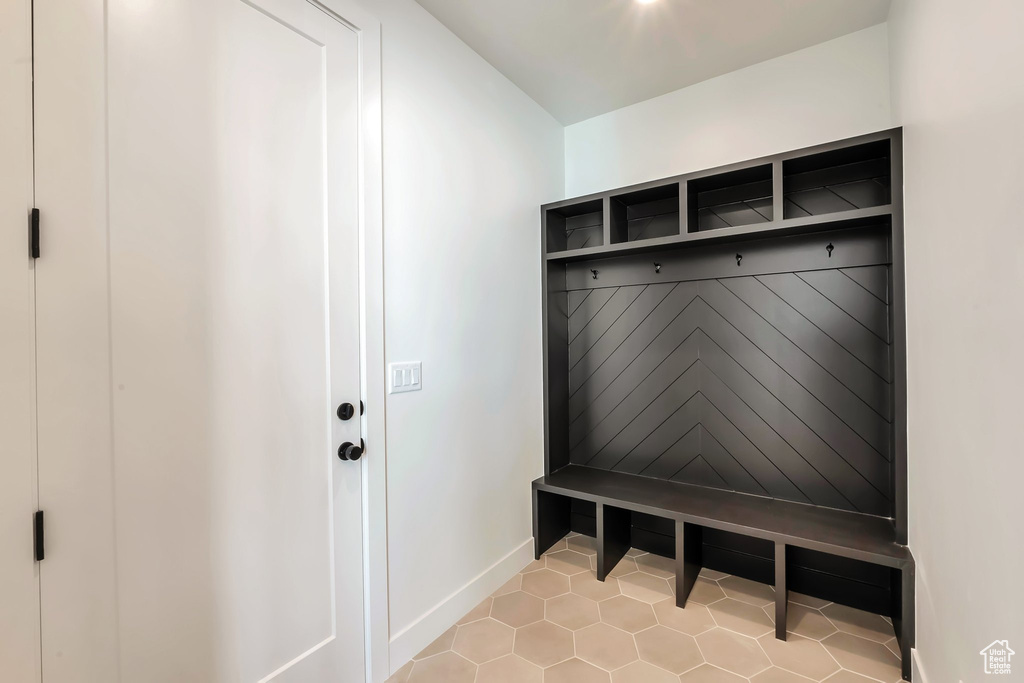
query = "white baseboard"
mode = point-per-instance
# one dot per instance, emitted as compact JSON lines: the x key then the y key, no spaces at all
{"x":916,"y":672}
{"x":410,"y":640}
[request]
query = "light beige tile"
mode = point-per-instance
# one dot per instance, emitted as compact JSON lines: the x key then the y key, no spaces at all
{"x":572,"y":611}
{"x":562,"y":544}
{"x":605,"y":647}
{"x":693,"y":620}
{"x":706,"y":673}
{"x":626,"y":565}
{"x":705,"y":592}
{"x":544,"y":643}
{"x":711,"y":574}
{"x":535,"y":565}
{"x":627,"y":614}
{"x":484,"y":640}
{"x":645,"y":587}
{"x":800,"y":655}
{"x":741,"y":617}
{"x":479,"y":612}
{"x":863,"y":656}
{"x":568,"y":562}
{"x":733,"y":652}
{"x":517,"y":609}
{"x":583,"y":544}
{"x":545,"y":583}
{"x":859,"y":623}
{"x":446,"y":667}
{"x":807,"y":600}
{"x":642,"y":672}
{"x":634,"y":552}
{"x":745,"y":590}
{"x":513,"y":584}
{"x":588,"y":586}
{"x":668,"y":649}
{"x":509,"y":669}
{"x":845,"y":676}
{"x":575,"y":671}
{"x":656,"y":565}
{"x":442,"y":644}
{"x":777,"y":675}
{"x":402,"y":675}
{"x":894,"y":646}
{"x":809,"y":623}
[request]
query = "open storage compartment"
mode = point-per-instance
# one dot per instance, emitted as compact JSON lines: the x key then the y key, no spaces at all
{"x":575,"y":226}
{"x":645,"y":214}
{"x":731,"y":199}
{"x":855,"y":177}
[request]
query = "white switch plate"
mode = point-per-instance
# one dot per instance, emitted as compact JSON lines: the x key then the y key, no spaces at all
{"x":404,"y":377}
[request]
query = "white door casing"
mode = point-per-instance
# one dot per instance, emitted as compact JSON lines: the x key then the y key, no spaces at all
{"x":19,"y":583}
{"x":241,"y":158}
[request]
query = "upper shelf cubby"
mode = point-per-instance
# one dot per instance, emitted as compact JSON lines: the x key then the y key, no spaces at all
{"x":729,"y":200}
{"x":645,"y":214}
{"x":855,"y":177}
{"x":575,"y":226}
{"x":833,"y":186}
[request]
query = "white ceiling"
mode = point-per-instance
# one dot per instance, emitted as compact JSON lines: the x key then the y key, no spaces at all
{"x":582,"y":58}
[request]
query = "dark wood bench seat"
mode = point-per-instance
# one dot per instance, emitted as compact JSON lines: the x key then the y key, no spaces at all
{"x":693,"y":508}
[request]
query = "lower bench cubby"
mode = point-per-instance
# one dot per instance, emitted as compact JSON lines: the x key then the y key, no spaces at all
{"x":836,"y":556}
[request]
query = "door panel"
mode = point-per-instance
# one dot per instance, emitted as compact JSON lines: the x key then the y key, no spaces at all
{"x":231,"y":191}
{"x":234,"y":333}
{"x":19,"y":596}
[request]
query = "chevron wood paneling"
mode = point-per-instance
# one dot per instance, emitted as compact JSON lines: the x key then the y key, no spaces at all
{"x":775,"y":385}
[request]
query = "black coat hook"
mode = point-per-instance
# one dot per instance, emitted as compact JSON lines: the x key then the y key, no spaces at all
{"x":657,"y":267}
{"x":594,"y":272}
{"x":739,"y":257}
{"x":829,"y":249}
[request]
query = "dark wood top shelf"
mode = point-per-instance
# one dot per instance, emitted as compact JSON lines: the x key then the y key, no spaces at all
{"x":848,"y":534}
{"x":788,"y":226}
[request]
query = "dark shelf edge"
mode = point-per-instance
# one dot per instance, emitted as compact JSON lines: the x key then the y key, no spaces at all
{"x":786,"y":226}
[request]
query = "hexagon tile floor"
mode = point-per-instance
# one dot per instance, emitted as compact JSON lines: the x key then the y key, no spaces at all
{"x":556,"y":623}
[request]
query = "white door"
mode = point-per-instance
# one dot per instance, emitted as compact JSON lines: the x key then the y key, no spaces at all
{"x":19,"y":596}
{"x":232,"y":171}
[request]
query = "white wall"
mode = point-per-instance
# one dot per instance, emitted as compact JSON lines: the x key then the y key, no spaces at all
{"x":468,"y":159}
{"x":956,"y":83}
{"x":827,"y":92}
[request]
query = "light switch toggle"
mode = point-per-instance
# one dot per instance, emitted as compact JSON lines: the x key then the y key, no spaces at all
{"x":404,"y":377}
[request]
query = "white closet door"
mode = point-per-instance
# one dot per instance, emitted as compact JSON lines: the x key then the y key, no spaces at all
{"x":19,"y":586}
{"x":231,"y":262}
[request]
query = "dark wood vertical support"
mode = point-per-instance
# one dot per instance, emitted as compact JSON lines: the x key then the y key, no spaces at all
{"x":898,"y":311}
{"x":613,"y":537}
{"x":902,"y":613}
{"x":689,"y":560}
{"x":606,"y":207}
{"x":781,"y":592}
{"x":778,"y":190}
{"x":551,"y":519}
{"x":684,"y":210}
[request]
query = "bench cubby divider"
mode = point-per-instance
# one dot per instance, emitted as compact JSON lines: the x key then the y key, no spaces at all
{"x":613,"y":534}
{"x":781,"y":591}
{"x":689,"y":560}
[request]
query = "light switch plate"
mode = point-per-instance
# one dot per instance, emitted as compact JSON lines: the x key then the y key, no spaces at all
{"x":404,"y":377}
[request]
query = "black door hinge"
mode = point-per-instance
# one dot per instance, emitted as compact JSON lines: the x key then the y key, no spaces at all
{"x":33,"y":234}
{"x":38,"y":535}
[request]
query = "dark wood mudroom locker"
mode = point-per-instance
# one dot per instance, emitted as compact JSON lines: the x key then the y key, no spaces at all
{"x":725,"y":375}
